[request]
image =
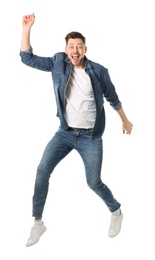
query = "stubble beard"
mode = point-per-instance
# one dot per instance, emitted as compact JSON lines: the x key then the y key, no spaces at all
{"x":81,"y":63}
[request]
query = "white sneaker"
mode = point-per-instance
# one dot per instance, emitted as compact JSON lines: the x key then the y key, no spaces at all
{"x":36,"y":232}
{"x":115,"y":225}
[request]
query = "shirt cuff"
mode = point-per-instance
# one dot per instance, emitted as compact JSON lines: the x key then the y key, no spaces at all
{"x":30,"y":50}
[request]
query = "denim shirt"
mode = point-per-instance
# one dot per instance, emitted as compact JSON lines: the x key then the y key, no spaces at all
{"x":60,"y":68}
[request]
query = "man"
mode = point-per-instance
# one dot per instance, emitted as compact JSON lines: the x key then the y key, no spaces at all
{"x":80,"y":87}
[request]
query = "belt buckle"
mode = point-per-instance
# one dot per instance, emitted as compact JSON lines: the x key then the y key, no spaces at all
{"x":77,"y":129}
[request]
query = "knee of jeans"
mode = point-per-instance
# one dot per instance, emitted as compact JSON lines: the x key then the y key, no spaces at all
{"x":42,"y":172}
{"x":94,"y":185}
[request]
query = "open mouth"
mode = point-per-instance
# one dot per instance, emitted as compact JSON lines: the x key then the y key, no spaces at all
{"x":75,"y":57}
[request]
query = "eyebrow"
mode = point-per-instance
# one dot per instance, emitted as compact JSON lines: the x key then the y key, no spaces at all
{"x":77,"y":44}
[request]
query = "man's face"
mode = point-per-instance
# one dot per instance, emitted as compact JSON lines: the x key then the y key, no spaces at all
{"x":75,"y":49}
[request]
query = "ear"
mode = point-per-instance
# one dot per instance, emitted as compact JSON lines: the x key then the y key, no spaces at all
{"x":66,"y":50}
{"x":85,"y":49}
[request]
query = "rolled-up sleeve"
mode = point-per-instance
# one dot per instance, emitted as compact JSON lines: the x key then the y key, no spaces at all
{"x":118,"y":106}
{"x":34,"y":61}
{"x":110,"y":92}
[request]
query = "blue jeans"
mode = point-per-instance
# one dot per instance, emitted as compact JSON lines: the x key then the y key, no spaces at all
{"x":62,"y":143}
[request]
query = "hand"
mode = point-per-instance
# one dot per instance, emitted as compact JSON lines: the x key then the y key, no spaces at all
{"x":127,"y":127}
{"x":28,"y":21}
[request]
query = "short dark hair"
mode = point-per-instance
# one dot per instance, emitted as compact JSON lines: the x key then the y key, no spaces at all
{"x":75,"y":35}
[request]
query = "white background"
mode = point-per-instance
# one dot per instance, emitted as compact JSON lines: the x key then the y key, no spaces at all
{"x":120,"y":36}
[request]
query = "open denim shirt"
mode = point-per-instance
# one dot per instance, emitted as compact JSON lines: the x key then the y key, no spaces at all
{"x":60,"y":68}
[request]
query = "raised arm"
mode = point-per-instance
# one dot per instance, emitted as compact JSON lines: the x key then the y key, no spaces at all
{"x":27,"y":22}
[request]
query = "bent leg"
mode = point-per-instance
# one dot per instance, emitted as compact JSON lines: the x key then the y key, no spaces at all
{"x":91,"y":152}
{"x":54,"y":152}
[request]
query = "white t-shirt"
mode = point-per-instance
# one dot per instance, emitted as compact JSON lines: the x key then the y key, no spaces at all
{"x":80,"y":104}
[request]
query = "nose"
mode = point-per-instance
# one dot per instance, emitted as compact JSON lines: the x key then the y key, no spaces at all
{"x":76,"y":48}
